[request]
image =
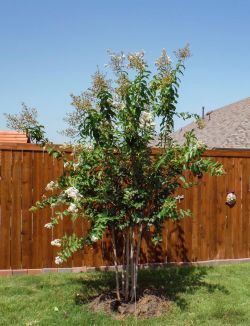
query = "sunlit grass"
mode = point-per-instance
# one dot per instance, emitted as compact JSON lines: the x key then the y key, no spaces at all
{"x":199,"y":296}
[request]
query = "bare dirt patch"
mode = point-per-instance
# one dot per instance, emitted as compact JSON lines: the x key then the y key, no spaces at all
{"x":149,"y":304}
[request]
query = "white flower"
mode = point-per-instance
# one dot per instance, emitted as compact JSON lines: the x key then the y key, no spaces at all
{"x":66,"y":164}
{"x":53,"y":205}
{"x":48,"y":225}
{"x":72,"y":208}
{"x":58,"y":260}
{"x":51,"y":185}
{"x":164,"y":61}
{"x":200,"y":144}
{"x":64,"y":146}
{"x":146,"y":120}
{"x":75,"y":165}
{"x":93,"y":238}
{"x":56,"y":243}
{"x":72,"y":192}
{"x":140,"y":54}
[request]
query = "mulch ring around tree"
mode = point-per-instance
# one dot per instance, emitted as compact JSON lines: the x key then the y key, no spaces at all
{"x":150,"y":303}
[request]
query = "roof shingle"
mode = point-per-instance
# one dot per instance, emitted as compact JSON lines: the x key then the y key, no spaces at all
{"x":226,"y":127}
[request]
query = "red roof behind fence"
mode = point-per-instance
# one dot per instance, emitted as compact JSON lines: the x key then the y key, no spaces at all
{"x":13,"y":137}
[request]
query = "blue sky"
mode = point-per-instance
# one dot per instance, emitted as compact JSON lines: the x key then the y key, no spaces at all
{"x":50,"y":48}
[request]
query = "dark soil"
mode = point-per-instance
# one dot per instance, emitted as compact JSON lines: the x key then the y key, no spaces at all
{"x":149,"y":304}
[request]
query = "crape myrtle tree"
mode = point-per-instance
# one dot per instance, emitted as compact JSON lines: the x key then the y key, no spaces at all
{"x":113,"y":181}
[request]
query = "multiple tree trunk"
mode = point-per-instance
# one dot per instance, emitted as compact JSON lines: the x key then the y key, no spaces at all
{"x":126,"y":279}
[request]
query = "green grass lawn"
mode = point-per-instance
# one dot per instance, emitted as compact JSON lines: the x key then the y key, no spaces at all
{"x":200,"y":296}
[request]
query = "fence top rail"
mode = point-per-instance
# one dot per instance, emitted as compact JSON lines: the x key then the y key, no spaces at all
{"x":208,"y":153}
{"x":26,"y":147}
{"x":227,"y":152}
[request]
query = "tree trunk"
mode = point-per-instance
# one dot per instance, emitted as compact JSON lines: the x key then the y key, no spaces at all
{"x":123,"y":264}
{"x":116,"y":265}
{"x":138,"y":250}
{"x":132,"y":265}
{"x":132,"y":254}
{"x":136,"y":263}
{"x":127,"y":265}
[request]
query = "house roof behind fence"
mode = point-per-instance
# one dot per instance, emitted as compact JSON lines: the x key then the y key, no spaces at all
{"x":13,"y":137}
{"x":226,"y":127}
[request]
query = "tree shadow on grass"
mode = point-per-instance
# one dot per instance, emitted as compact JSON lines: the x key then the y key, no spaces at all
{"x":171,"y":283}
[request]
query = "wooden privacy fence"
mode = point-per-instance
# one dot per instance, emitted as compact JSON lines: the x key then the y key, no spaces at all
{"x":215,"y":231}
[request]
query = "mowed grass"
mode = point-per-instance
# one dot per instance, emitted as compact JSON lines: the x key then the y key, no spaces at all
{"x":199,"y":296}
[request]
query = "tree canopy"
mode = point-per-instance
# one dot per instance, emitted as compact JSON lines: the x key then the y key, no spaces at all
{"x":113,"y":180}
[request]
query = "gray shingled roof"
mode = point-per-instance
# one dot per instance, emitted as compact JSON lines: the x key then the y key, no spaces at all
{"x":226,"y":127}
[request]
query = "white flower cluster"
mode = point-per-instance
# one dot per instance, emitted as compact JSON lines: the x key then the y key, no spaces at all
{"x":139,"y":55}
{"x":114,"y":101}
{"x":48,"y":225}
{"x":66,"y":164}
{"x":75,"y":166}
{"x":136,"y":60}
{"x":65,"y":146}
{"x":51,"y":185}
{"x":73,"y":193}
{"x":200,"y":144}
{"x":56,"y":243}
{"x":72,"y":208}
{"x":58,"y":260}
{"x":116,"y":60}
{"x":93,"y":238}
{"x":164,"y":62}
{"x":146,"y":120}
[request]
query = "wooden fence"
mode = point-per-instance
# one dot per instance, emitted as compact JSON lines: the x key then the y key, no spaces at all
{"x":215,"y":231}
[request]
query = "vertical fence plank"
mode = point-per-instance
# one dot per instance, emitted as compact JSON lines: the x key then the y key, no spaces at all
{"x":57,"y":231}
{"x":211,"y":207}
{"x":1,"y":202}
{"x":247,"y":212}
{"x":6,"y":208}
{"x":172,"y":241}
{"x":87,"y":252}
{"x":195,"y":219}
{"x":16,"y":227}
{"x":27,"y":199}
{"x":38,"y":184}
{"x":107,"y":249}
{"x":67,"y":230}
{"x":245,"y":206}
{"x":75,"y":227}
{"x":203,"y":230}
{"x":144,"y":250}
{"x":78,"y":231}
{"x":237,"y":210}
{"x":188,"y":222}
{"x":67,"y":225}
{"x":229,"y":211}
{"x":220,"y":218}
{"x":199,"y":216}
{"x":46,"y":233}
